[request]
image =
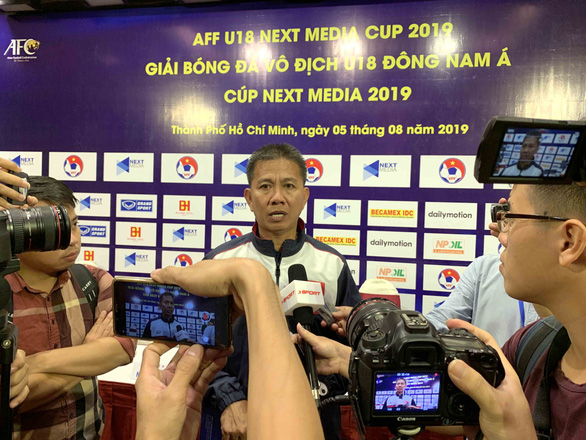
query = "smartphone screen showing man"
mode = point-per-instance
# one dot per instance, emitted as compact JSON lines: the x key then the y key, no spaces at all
{"x":152,"y":311}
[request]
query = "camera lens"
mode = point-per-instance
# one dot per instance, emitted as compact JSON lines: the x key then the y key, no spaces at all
{"x":44,"y":228}
{"x":365,"y":314}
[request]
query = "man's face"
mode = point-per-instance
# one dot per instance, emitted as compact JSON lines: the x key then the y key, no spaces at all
{"x":400,"y":386}
{"x":167,"y":305}
{"x":277,"y":196}
{"x":529,"y":148}
{"x":53,"y":262}
{"x":529,"y":259}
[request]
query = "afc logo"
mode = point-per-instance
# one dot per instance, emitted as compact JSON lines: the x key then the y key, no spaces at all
{"x":27,"y":46}
{"x":184,"y":205}
{"x":135,"y":231}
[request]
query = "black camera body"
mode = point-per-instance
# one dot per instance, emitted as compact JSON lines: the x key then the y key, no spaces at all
{"x":398,"y":368}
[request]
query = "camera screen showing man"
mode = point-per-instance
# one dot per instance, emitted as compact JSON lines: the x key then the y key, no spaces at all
{"x":166,"y":326}
{"x":526,"y":166}
{"x":406,"y":392}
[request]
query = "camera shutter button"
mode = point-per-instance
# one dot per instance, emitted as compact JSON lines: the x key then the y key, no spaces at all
{"x":374,"y":339}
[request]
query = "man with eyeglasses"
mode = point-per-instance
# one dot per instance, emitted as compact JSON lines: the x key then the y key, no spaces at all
{"x":544,"y":262}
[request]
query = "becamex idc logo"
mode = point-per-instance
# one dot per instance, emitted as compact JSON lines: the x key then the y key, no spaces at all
{"x":130,"y":205}
{"x":448,"y":278}
{"x":315,"y":170}
{"x":232,"y":233}
{"x":124,"y":166}
{"x":22,"y":49}
{"x":373,"y":169}
{"x":181,"y":233}
{"x":183,"y":260}
{"x":232,"y":206}
{"x":73,"y":166}
{"x":240,"y":168}
{"x":452,"y":170}
{"x":187,"y":167}
{"x":334,"y":209}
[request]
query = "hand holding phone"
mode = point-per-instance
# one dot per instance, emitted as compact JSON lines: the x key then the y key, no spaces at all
{"x":147,"y":310}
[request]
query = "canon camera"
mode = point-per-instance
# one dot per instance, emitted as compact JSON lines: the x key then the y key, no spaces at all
{"x":398,"y":368}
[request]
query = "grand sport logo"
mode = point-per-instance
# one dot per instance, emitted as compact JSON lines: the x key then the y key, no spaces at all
{"x":22,"y":49}
{"x":136,"y":205}
{"x":92,"y":231}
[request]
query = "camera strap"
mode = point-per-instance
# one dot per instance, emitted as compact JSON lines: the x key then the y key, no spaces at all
{"x":547,"y":335}
{"x":87,"y":283}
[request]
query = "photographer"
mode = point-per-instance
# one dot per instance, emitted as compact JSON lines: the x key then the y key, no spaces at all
{"x":280,"y":403}
{"x":57,"y":323}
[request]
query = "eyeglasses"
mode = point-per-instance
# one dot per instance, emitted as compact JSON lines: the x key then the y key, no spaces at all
{"x":505,"y":219}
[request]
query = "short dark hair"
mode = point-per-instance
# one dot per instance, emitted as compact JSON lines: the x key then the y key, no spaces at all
{"x":273,"y":152}
{"x":166,"y":294}
{"x":51,"y":191}
{"x":401,"y":378}
{"x":533,"y":133}
{"x":567,"y":201}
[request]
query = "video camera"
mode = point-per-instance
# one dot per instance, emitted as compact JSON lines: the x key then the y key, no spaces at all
{"x":538,"y":151}
{"x":398,"y":369}
{"x":44,"y":228}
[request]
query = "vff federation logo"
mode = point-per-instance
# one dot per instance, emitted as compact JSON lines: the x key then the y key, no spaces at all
{"x":240,"y":168}
{"x":187,"y":167}
{"x":452,"y":170}
{"x":448,"y":278}
{"x":231,"y":234}
{"x":183,"y":260}
{"x":73,"y":166}
{"x":314,"y":170}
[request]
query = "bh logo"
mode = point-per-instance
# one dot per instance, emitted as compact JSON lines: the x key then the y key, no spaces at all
{"x":183,"y":260}
{"x":448,"y":278}
{"x":187,"y":167}
{"x":314,"y":170}
{"x":452,"y":170}
{"x":231,"y":234}
{"x":73,"y":166}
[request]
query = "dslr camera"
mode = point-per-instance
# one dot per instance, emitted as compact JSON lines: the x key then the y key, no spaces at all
{"x":398,"y":369}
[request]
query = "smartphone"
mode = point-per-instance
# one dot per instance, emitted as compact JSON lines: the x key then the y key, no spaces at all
{"x":147,"y":310}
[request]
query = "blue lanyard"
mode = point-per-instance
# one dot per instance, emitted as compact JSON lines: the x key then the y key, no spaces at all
{"x":522,"y":311}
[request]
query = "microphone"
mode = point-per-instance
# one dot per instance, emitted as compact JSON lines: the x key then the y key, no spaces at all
{"x":300,"y":298}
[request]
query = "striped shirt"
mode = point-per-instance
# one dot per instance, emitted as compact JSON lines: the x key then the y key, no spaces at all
{"x":59,"y":319}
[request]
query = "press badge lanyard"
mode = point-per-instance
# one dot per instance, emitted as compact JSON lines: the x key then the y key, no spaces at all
{"x":522,"y":311}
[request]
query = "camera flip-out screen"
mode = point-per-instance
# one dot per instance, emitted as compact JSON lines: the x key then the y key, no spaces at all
{"x":414,"y":393}
{"x":519,"y":150}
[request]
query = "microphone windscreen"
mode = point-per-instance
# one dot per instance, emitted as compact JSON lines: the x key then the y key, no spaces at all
{"x":297,"y":273}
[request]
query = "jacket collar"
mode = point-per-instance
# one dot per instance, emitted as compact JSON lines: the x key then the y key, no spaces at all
{"x":290,"y":247}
